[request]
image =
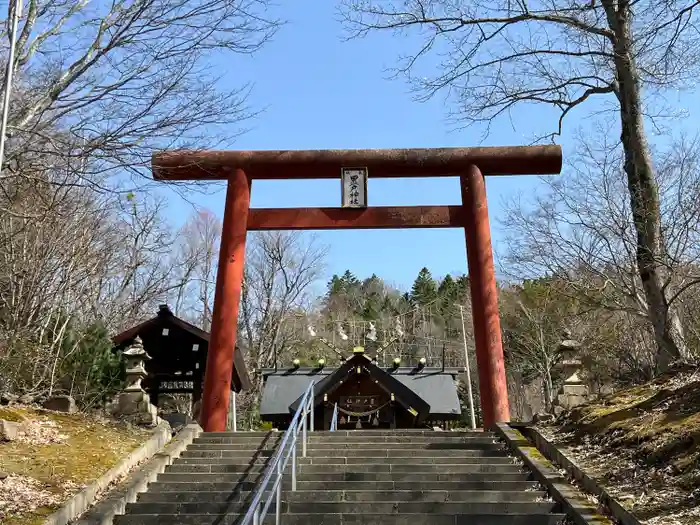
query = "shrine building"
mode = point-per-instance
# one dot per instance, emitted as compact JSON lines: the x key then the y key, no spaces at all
{"x":367,"y":395}
{"x":178,"y":352}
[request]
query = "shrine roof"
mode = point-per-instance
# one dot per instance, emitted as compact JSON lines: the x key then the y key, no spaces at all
{"x":150,"y":332}
{"x":280,"y":391}
{"x":327,"y":370}
{"x":435,"y":385}
{"x":164,"y":318}
{"x":405,"y":396}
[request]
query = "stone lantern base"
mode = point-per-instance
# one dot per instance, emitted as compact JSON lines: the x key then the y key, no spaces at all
{"x":570,"y":396}
{"x":136,"y":407}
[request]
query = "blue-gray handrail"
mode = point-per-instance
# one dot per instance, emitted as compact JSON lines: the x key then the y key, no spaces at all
{"x":334,"y":420}
{"x":257,"y":510}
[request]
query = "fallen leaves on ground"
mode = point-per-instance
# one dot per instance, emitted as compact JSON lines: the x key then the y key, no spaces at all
{"x":40,"y":431}
{"x":642,"y":445}
{"x":54,"y":456}
{"x":23,"y":495}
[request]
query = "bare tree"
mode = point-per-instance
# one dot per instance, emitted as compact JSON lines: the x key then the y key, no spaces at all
{"x":98,"y":86}
{"x":534,"y":318}
{"x":280,"y":269}
{"x":561,"y":53}
{"x":111,"y":81}
{"x":198,"y":250}
{"x":582,"y":229}
{"x":82,"y":260}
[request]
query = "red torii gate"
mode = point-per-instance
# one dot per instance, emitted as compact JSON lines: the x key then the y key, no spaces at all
{"x":240,"y":168}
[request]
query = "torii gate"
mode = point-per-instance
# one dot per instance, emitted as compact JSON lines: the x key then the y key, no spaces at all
{"x":240,"y":168}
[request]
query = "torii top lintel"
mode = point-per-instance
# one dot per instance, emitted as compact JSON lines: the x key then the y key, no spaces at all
{"x":326,"y":164}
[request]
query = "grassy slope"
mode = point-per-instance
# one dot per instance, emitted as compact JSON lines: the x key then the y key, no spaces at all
{"x":643,"y":445}
{"x":90,"y":448}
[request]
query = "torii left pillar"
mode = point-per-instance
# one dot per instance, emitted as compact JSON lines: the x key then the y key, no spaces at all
{"x":227,"y":297}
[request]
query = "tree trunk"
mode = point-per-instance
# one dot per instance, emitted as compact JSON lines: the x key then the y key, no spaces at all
{"x":548,"y":390}
{"x":644,"y":198}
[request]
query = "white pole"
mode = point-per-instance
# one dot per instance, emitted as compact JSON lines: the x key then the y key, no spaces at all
{"x":233,"y":402}
{"x":16,"y":13}
{"x":466,"y":369}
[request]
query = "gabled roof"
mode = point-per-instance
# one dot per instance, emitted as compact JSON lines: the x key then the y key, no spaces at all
{"x":403,"y":394}
{"x":239,"y":375}
{"x":165,"y":315}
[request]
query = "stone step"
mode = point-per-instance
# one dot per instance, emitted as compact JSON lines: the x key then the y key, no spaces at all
{"x":313,"y":447}
{"x":410,"y":476}
{"x":243,"y":447}
{"x":445,"y":468}
{"x":371,"y":477}
{"x":313,"y":437}
{"x":242,"y":433}
{"x":403,"y":432}
{"x":227,"y":453}
{"x":349,"y":507}
{"x":349,"y":519}
{"x":469,"y":485}
{"x":470,"y":496}
{"x":409,"y":445}
{"x":348,"y":437}
{"x":341,"y":460}
{"x":356,"y":433}
{"x":378,"y":452}
{"x":250,"y":444}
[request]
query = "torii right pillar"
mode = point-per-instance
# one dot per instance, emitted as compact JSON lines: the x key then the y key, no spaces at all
{"x":484,"y":294}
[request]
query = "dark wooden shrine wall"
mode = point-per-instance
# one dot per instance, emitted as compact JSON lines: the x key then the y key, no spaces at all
{"x":358,"y":384}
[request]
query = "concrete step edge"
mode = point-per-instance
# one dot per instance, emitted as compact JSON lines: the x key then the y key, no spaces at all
{"x":321,"y":506}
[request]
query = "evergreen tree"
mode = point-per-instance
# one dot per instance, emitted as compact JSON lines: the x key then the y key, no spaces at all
{"x":335,"y":285}
{"x":372,"y":298}
{"x":424,"y":289}
{"x":349,"y":281}
{"x":448,"y":292}
{"x":340,"y":300}
{"x":463,"y":291}
{"x":95,"y":371}
{"x":447,"y":286}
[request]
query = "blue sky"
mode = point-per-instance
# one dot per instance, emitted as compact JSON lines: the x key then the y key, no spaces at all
{"x":318,"y":92}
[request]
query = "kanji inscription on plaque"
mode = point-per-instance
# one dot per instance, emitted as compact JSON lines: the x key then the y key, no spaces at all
{"x":354,"y":187}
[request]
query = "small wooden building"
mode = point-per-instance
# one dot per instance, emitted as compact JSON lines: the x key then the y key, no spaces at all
{"x":178,"y":351}
{"x":368,"y":396}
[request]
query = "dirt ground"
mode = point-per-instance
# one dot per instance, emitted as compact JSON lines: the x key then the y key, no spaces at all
{"x":54,"y":457}
{"x":643,"y":445}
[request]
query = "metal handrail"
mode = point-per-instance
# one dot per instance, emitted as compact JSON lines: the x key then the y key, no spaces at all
{"x":257,"y":510}
{"x":334,"y":420}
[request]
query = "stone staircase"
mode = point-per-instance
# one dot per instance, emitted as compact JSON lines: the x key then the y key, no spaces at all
{"x":355,"y":477}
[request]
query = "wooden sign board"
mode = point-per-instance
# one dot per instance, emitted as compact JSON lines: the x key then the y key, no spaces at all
{"x":354,"y":187}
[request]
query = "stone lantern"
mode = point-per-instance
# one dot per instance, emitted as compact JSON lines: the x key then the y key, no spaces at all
{"x":136,"y":356}
{"x":573,"y":392}
{"x":133,"y":402}
{"x":570,"y":365}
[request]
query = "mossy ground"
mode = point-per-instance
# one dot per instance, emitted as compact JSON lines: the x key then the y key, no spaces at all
{"x":643,"y":445}
{"x":91,"y":447}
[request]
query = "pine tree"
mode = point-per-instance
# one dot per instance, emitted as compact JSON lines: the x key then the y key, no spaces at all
{"x":372,"y":295}
{"x":463,"y":290}
{"x":424,"y":289}
{"x":335,"y":285}
{"x":349,"y":281}
{"x":448,"y":293}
